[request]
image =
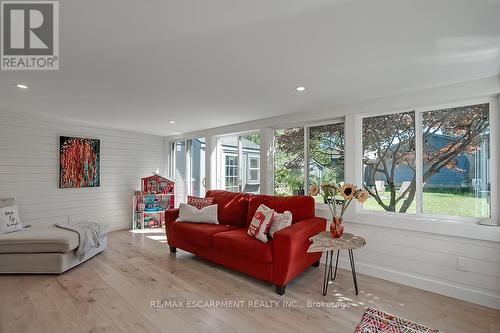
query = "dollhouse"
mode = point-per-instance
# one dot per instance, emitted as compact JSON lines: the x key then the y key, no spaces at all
{"x":150,"y":203}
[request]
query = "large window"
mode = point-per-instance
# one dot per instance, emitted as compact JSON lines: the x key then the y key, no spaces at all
{"x":324,"y":156}
{"x":289,"y":161}
{"x":389,"y":162}
{"x":456,"y":155}
{"x":444,"y":170}
{"x":239,"y":163}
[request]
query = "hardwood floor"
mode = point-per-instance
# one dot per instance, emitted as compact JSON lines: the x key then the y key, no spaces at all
{"x":113,"y":293}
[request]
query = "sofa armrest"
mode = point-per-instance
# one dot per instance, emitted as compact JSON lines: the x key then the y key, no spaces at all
{"x":170,"y":216}
{"x":290,"y":246}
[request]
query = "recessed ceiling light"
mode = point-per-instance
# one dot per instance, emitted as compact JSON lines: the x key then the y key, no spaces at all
{"x":171,"y":122}
{"x":300,"y":88}
{"x":21,"y":86}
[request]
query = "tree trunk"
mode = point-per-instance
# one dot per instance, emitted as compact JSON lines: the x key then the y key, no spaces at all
{"x":411,"y":196}
{"x":392,"y":202}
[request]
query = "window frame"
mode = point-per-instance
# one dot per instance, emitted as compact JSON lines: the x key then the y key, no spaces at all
{"x":249,"y":169}
{"x":307,"y":146}
{"x":419,"y":214}
{"x":236,"y":167}
{"x":306,"y":126}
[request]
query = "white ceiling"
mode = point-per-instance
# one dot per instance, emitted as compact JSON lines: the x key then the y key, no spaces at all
{"x":138,"y":64}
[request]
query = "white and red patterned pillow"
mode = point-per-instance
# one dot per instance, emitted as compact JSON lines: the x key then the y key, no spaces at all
{"x":280,"y":221}
{"x":200,"y":202}
{"x":261,"y":221}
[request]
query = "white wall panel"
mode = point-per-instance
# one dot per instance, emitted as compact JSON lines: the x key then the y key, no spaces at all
{"x":429,"y":261}
{"x":29,"y":170}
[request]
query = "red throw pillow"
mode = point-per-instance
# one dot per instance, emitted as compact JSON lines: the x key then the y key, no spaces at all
{"x":200,"y":202}
{"x":261,"y":222}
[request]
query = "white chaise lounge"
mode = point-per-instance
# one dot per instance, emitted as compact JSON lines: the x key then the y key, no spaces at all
{"x":42,"y":250}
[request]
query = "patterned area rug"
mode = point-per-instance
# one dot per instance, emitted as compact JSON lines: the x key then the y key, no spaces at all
{"x":376,"y":321}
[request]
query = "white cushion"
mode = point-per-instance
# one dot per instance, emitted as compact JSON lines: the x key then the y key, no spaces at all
{"x":39,"y":239}
{"x":47,"y":262}
{"x":9,"y":220}
{"x":189,"y":213}
{"x":261,"y":222}
{"x":280,"y":221}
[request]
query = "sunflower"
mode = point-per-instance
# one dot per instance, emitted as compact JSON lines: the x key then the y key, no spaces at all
{"x":314,"y":190}
{"x":347,"y":191}
{"x":362,"y":196}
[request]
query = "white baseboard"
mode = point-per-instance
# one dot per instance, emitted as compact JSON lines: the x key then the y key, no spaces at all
{"x":424,"y":283}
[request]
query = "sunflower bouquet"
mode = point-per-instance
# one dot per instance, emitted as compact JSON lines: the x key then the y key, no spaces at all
{"x":329,"y":192}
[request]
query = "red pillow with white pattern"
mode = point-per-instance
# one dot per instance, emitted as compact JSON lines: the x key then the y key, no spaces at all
{"x":261,"y":222}
{"x":200,"y":202}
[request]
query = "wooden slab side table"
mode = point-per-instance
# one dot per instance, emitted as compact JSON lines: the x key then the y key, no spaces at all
{"x":323,"y":242}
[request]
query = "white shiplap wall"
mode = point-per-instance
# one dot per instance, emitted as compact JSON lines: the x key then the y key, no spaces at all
{"x":428,"y":261}
{"x":29,"y":170}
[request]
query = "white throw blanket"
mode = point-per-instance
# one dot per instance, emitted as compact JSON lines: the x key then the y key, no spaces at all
{"x":90,"y":234}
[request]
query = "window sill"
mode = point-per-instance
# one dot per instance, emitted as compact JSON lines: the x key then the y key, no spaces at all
{"x":433,"y":225}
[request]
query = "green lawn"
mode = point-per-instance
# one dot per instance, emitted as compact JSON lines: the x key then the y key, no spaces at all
{"x":443,"y":204}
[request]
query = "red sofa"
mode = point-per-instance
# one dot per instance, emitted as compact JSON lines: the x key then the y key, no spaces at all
{"x":227,"y":243}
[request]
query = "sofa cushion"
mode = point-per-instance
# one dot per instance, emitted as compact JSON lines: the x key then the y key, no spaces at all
{"x":192,"y":214}
{"x":198,"y":233}
{"x":240,"y":244}
{"x":301,"y":206}
{"x":233,"y":206}
{"x":44,"y":239}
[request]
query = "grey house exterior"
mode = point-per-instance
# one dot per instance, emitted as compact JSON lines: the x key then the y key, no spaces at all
{"x":235,"y":175}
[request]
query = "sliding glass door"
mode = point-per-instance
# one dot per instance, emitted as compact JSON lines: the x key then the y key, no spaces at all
{"x":179,"y":173}
{"x":196,"y":153}
{"x":188,"y":168}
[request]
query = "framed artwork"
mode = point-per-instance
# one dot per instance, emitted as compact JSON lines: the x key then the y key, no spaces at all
{"x":79,"y":162}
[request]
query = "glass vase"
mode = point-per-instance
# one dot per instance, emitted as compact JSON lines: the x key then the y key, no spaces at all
{"x":336,"y":228}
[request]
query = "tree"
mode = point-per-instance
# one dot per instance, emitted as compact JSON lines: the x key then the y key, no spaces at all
{"x":388,"y":143}
{"x":391,"y":138}
{"x":289,"y":160}
{"x":326,"y":151}
{"x":254,"y":137}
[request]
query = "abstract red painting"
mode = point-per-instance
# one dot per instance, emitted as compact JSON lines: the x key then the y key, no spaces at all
{"x":79,"y":162}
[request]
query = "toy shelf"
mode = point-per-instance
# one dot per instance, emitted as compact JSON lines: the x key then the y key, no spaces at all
{"x":157,"y":193}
